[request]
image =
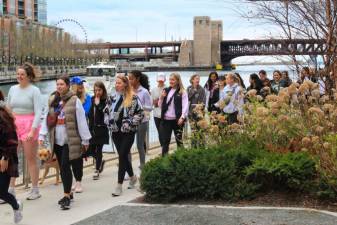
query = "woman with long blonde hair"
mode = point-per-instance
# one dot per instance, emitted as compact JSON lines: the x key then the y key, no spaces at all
{"x":174,"y":106}
{"x":123,"y":115}
{"x":77,"y":86}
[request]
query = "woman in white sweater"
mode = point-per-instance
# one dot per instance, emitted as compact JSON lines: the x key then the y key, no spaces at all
{"x":68,"y":136}
{"x":24,"y":99}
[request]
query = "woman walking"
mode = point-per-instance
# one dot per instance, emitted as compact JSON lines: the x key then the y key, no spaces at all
{"x":196,"y":94}
{"x":24,"y":100}
{"x":255,"y":83}
{"x":68,"y":133}
{"x":140,"y":85}
{"x":123,"y":115}
{"x":212,"y":91}
{"x":155,"y":94}
{"x":277,"y":83}
{"x":196,"y":97}
{"x":77,"y":86}
{"x":285,"y":77}
{"x":233,"y":99}
{"x":174,"y":106}
{"x":97,"y":127}
{"x":8,"y":158}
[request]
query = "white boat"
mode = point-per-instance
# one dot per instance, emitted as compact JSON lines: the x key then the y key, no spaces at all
{"x":101,"y":72}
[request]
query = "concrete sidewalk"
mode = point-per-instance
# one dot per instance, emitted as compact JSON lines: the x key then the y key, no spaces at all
{"x":96,"y":198}
{"x":145,"y":214}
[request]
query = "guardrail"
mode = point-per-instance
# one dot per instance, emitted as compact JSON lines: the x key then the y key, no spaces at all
{"x":10,"y":76}
{"x":152,"y":141}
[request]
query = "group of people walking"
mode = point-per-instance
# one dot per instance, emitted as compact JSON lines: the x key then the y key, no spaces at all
{"x":77,"y":125}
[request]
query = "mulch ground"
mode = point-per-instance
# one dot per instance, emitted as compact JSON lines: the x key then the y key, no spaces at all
{"x":272,"y":199}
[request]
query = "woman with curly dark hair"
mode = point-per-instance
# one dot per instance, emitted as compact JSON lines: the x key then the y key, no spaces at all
{"x":255,"y":83}
{"x":8,"y":158}
{"x":212,"y":91}
{"x":140,"y":85}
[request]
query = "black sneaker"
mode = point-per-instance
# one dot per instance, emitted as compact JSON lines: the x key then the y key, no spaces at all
{"x":62,"y":199}
{"x":102,"y":167}
{"x":65,"y":203}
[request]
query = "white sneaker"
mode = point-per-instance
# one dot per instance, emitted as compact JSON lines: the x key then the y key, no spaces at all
{"x":34,"y":194}
{"x":2,"y":202}
{"x":12,"y":191}
{"x":18,"y":213}
{"x":96,"y":175}
{"x":78,"y":187}
{"x":118,"y":190}
{"x":132,"y":182}
{"x":126,"y":177}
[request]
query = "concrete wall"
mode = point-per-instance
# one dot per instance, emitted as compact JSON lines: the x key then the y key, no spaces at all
{"x":216,"y":29}
{"x":202,"y":41}
{"x":186,"y":53}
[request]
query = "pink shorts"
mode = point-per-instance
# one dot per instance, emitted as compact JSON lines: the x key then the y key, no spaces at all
{"x":24,"y":125}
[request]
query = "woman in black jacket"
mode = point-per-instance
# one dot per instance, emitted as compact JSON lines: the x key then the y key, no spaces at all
{"x":97,"y":127}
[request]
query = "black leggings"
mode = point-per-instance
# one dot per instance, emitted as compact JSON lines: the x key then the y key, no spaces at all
{"x":77,"y":168}
{"x":95,"y":151}
{"x":4,"y":195}
{"x":166,"y":128}
{"x":123,"y":143}
{"x":232,"y":117}
{"x":157,"y":122}
{"x":62,"y":155}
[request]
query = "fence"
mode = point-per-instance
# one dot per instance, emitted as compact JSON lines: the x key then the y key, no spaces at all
{"x":109,"y":155}
{"x":46,"y":72}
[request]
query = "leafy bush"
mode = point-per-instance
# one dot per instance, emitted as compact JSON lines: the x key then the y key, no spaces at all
{"x":291,"y":171}
{"x":204,"y":174}
{"x":232,"y":173}
{"x":325,"y":187}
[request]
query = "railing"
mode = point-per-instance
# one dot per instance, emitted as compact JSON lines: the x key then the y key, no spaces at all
{"x":50,"y":73}
{"x":152,"y":142}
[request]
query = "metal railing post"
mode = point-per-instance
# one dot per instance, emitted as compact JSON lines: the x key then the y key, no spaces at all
{"x":26,"y":177}
{"x":147,"y":138}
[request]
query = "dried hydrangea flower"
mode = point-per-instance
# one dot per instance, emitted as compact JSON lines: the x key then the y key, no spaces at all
{"x":272,"y":98}
{"x":316,"y":111}
{"x":306,"y":141}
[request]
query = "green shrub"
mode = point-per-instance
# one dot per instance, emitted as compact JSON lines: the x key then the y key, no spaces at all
{"x":232,"y":173}
{"x":325,"y":187}
{"x":216,"y":173}
{"x":290,"y":171}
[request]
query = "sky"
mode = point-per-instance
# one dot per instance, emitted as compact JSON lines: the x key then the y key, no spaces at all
{"x":150,"y":20}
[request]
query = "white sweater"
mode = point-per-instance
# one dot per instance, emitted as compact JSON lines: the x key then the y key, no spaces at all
{"x":61,"y":137}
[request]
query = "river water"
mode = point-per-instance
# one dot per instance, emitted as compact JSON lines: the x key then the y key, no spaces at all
{"x":48,"y":87}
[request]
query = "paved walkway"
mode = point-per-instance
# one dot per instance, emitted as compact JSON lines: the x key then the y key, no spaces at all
{"x":97,"y":206}
{"x":95,"y":199}
{"x":135,"y":214}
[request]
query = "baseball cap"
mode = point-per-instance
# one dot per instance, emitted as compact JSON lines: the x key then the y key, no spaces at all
{"x":77,"y":80}
{"x":161,"y":77}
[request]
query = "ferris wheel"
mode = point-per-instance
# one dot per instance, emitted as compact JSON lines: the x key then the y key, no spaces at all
{"x":73,"y":21}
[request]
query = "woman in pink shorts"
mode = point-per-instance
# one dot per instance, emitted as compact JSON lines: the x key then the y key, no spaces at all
{"x":24,"y":99}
